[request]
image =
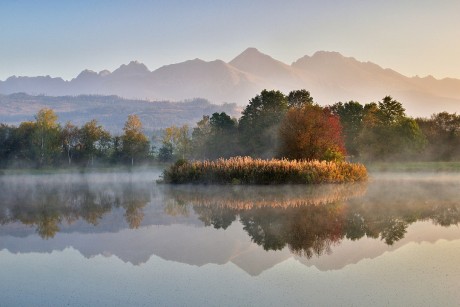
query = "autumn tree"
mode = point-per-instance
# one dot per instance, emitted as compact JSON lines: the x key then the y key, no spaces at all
{"x":135,"y":145}
{"x":311,"y":132}
{"x":46,"y":143}
{"x":177,"y":143}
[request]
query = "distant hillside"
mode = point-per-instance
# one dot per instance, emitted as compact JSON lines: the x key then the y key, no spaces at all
{"x":110,"y":111}
{"x":329,"y":76}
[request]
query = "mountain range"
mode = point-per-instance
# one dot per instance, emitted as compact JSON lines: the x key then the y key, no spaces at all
{"x":214,"y":246}
{"x":329,"y":76}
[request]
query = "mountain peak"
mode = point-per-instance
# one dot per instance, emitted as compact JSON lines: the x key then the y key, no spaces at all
{"x":133,"y":68}
{"x":329,"y":54}
{"x":87,"y":73}
{"x":250,"y":55}
{"x":104,"y":73}
{"x":251,"y":50}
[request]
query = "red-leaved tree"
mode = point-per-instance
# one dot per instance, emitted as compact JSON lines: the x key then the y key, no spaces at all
{"x":310,"y":133}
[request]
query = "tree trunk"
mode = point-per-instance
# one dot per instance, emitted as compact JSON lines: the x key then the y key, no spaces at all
{"x":69,"y":156}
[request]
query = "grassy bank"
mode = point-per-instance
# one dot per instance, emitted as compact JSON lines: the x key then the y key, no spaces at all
{"x":245,"y":170}
{"x":83,"y":170}
{"x":413,"y":167}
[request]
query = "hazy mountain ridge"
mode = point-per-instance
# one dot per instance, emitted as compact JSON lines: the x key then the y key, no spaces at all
{"x":329,"y":76}
{"x":110,"y":111}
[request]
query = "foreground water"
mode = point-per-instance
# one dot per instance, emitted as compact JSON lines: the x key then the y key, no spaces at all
{"x":118,"y":239}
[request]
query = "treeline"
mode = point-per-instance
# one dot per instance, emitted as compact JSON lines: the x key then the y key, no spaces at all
{"x":45,"y":143}
{"x":293,"y":126}
{"x":273,"y":125}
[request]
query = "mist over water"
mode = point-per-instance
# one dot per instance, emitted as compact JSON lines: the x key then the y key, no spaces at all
{"x":114,"y":220}
{"x":381,"y":209}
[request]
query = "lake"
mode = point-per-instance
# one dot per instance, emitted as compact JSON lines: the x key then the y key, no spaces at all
{"x":120,"y":239}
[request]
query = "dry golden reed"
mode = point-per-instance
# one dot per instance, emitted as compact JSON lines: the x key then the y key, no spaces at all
{"x":246,"y":170}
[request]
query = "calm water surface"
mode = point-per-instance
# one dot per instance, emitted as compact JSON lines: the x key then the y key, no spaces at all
{"x":119,"y":239}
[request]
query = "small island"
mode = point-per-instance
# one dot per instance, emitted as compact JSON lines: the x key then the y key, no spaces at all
{"x":246,"y":170}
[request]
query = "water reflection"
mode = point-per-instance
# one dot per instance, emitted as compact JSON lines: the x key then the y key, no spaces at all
{"x":45,"y":205}
{"x":201,"y":246}
{"x":307,"y":220}
{"x":311,"y":220}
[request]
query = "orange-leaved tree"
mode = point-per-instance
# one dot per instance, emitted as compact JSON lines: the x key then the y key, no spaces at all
{"x":311,"y":133}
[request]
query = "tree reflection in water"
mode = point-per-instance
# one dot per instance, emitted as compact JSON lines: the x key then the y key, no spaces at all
{"x":46,"y":206}
{"x":309,"y":220}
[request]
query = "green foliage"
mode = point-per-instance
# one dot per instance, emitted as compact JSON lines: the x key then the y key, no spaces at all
{"x":442,"y":132}
{"x":351,"y":116}
{"x":43,"y":143}
{"x":177,"y":139}
{"x":95,"y":140}
{"x":215,"y":137}
{"x":165,"y":153}
{"x":332,"y":154}
{"x":299,"y":98}
{"x":258,"y":125}
{"x":380,"y":131}
{"x":200,"y":138}
{"x":390,"y":111}
{"x":272,"y":124}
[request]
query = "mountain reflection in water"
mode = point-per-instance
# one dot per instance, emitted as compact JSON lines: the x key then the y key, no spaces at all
{"x":308,"y":220}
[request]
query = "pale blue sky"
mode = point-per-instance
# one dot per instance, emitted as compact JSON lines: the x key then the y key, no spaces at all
{"x":61,"y":38}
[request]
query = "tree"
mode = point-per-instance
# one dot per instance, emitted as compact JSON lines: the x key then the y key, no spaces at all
{"x":165,"y":153}
{"x":351,"y":116}
{"x":22,"y":143}
{"x":95,"y":141}
{"x":178,"y":141}
{"x":442,"y":132}
{"x":259,"y":123}
{"x":390,"y":111}
{"x":6,"y":143}
{"x":311,"y":132}
{"x":70,"y":136}
{"x":46,"y":136}
{"x":299,"y":98}
{"x":388,"y":133}
{"x":134,"y":143}
{"x":200,"y":137}
{"x":224,"y":136}
{"x":215,"y":137}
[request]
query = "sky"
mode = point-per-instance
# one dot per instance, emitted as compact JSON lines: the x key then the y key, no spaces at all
{"x":62,"y":38}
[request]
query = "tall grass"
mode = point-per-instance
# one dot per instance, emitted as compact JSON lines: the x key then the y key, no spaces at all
{"x":246,"y":170}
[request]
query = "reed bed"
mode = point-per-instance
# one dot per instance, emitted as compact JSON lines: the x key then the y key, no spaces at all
{"x":246,"y":170}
